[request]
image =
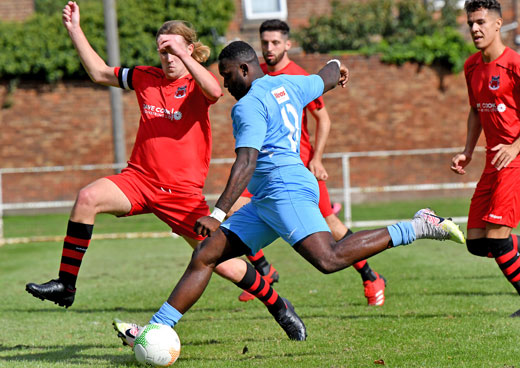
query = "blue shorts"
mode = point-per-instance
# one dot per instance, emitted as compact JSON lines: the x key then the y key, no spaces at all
{"x":285,"y":205}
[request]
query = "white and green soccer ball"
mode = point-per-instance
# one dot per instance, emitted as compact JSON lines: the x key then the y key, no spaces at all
{"x":157,"y":345}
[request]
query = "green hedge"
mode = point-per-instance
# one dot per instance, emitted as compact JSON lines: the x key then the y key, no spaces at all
{"x":444,"y":47}
{"x":399,"y":31}
{"x":40,"y":47}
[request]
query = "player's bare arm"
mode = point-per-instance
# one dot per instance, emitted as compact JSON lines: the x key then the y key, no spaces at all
{"x":176,"y":45}
{"x":95,"y":66}
{"x":461,"y":160}
{"x":334,"y":73}
{"x":322,"y":119}
{"x":241,"y":173}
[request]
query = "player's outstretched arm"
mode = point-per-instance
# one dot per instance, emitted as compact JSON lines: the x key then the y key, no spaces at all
{"x":334,"y":73}
{"x":241,"y":173}
{"x":96,"y":67}
{"x":175,"y":45}
{"x":461,"y":160}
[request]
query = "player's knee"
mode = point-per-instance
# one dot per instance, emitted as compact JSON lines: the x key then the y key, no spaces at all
{"x":86,"y":198}
{"x":202,"y":256}
{"x":478,"y":247}
{"x":197,"y":260}
{"x":233,"y":269}
{"x":198,"y":254}
{"x":319,"y":250}
{"x":326,"y":265}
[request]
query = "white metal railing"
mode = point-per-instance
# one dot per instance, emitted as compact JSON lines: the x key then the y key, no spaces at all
{"x":347,"y":190}
{"x":59,"y":204}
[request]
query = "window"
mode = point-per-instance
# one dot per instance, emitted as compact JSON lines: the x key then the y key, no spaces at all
{"x":264,"y":9}
{"x":438,"y":4}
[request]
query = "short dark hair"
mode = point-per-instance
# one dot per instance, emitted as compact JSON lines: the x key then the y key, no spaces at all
{"x":473,"y":5}
{"x":240,"y":51}
{"x":275,"y":25}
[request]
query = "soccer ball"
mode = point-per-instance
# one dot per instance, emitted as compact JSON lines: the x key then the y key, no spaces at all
{"x":158,"y":345}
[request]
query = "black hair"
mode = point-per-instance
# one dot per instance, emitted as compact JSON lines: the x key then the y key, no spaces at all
{"x":275,"y":25}
{"x":473,"y":5}
{"x":240,"y":51}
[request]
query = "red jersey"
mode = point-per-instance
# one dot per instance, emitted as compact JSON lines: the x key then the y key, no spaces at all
{"x":173,"y":142}
{"x":494,"y":90}
{"x":306,"y":149}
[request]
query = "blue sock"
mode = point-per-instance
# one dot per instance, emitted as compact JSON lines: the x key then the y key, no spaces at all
{"x":166,"y":315}
{"x":402,"y":233}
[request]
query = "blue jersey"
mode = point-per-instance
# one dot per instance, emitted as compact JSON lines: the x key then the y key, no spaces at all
{"x":285,"y":193}
{"x":268,"y":118}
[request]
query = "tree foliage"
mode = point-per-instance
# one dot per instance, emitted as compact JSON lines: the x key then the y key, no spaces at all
{"x":40,"y":46}
{"x":400,"y":31}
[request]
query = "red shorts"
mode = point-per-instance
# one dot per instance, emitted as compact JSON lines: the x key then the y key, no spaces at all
{"x":325,"y":205}
{"x":179,"y":210}
{"x":496,"y":199}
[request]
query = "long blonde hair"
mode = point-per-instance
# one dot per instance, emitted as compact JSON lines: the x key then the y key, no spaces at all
{"x":201,"y":52}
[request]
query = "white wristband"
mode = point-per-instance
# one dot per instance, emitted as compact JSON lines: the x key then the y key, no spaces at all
{"x":218,"y":214}
{"x":335,"y":61}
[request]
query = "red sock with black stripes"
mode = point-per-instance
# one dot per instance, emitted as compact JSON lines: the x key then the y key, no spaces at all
{"x":505,"y":252}
{"x":260,"y":263}
{"x":254,"y":283}
{"x":367,"y":274}
{"x":74,"y":247}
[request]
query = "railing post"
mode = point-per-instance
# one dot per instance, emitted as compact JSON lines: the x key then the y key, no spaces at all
{"x":347,"y":195}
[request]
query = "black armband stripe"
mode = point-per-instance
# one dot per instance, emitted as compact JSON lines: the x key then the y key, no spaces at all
{"x":129,"y":78}
{"x":119,"y":79}
{"x":124,"y":78}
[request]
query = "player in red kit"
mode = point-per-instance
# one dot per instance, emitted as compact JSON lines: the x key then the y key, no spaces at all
{"x":493,"y":81}
{"x":274,"y":37}
{"x":169,"y":161}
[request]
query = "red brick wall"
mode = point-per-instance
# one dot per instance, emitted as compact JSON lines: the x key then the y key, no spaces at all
{"x":385,"y":107}
{"x":16,"y":9}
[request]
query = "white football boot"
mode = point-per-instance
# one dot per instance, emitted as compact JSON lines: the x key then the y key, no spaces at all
{"x":428,"y":225}
{"x":126,"y":331}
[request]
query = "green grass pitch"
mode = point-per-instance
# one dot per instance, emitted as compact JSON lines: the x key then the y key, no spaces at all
{"x":444,"y":307}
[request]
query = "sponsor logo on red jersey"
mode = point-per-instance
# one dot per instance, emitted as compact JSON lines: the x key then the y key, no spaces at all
{"x":162,"y":112}
{"x":491,"y":107}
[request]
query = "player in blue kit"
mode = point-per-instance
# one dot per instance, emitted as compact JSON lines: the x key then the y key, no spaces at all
{"x":285,"y":192}
{"x":266,"y":126}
